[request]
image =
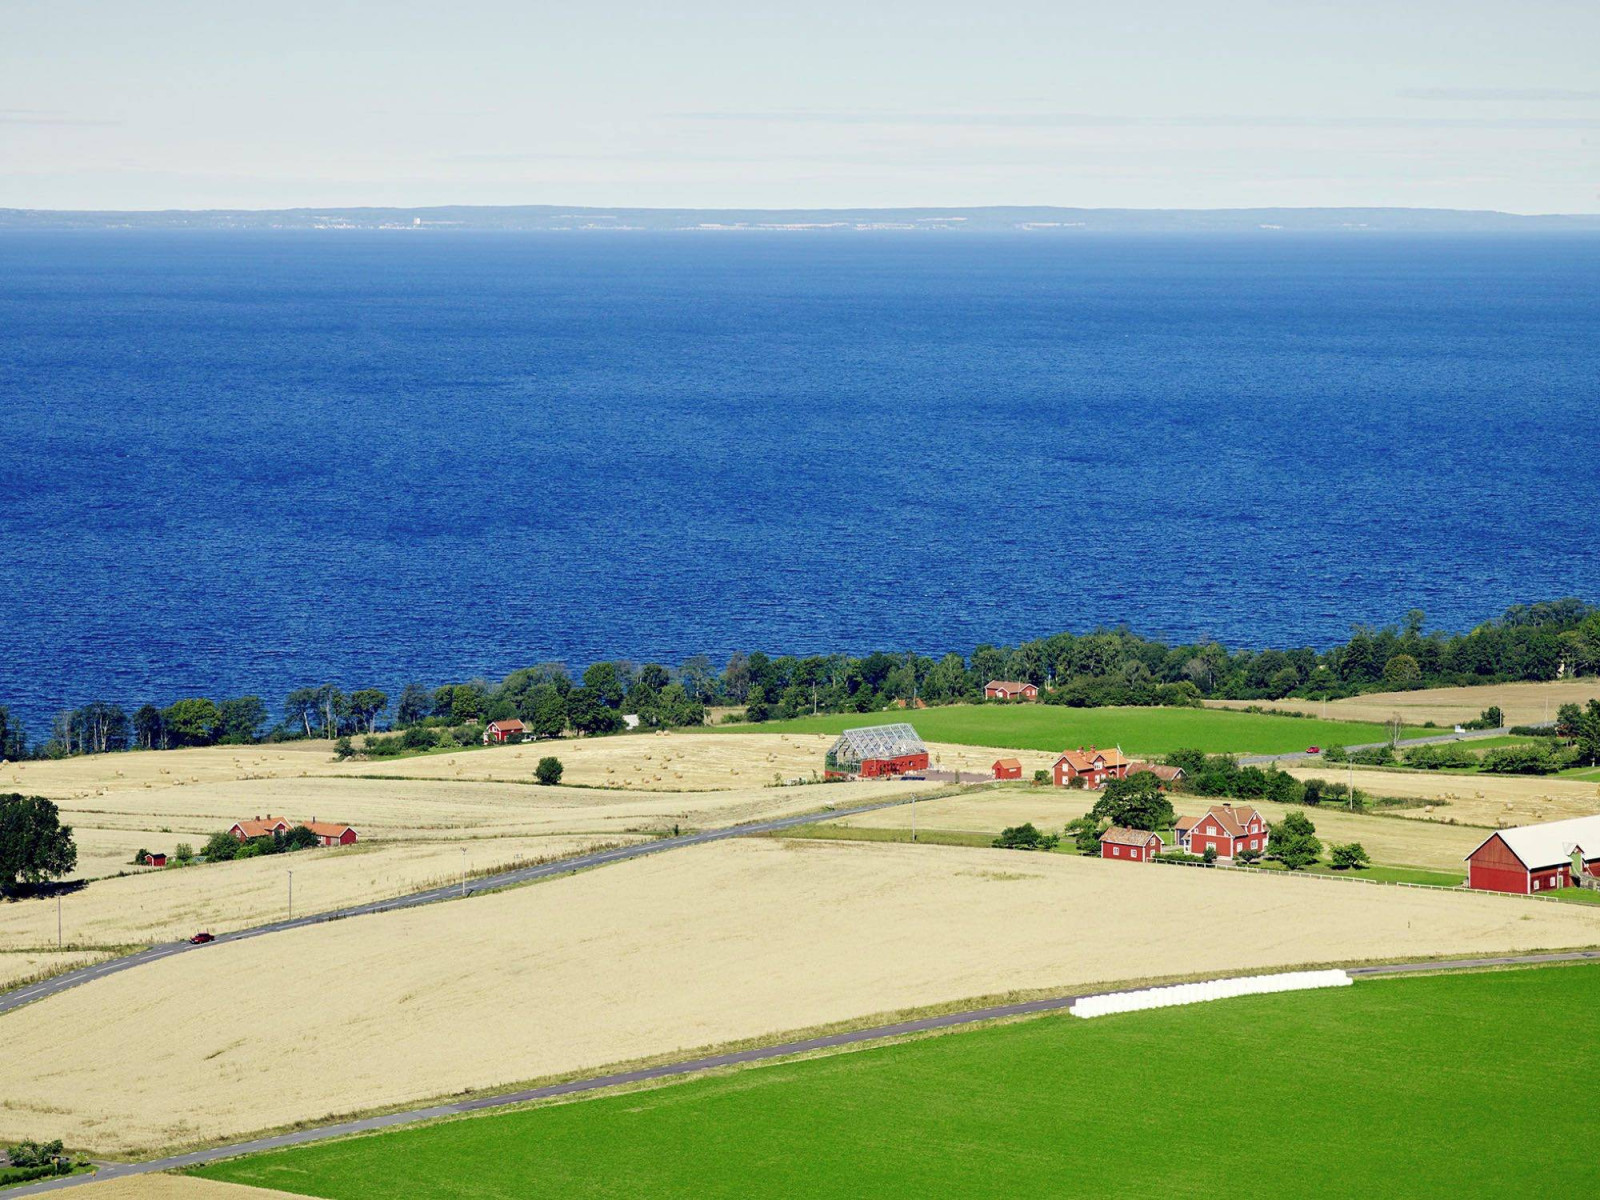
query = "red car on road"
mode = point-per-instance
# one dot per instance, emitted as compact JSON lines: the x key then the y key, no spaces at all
{"x":201,"y":938}
{"x":1313,"y":749}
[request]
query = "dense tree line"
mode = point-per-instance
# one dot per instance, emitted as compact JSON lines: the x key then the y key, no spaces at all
{"x":1540,"y":641}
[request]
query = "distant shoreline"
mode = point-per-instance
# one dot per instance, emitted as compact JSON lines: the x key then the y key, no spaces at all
{"x":1022,"y":220}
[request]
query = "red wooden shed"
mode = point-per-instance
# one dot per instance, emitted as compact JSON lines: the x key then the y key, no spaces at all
{"x":1130,"y":845}
{"x":1008,"y":768}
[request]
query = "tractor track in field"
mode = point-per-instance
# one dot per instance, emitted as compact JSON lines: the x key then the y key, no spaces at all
{"x":79,"y":976}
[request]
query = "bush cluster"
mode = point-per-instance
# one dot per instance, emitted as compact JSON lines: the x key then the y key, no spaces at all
{"x":224,"y":847}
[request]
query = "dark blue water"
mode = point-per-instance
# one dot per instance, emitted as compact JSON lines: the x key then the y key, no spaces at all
{"x":236,"y":463}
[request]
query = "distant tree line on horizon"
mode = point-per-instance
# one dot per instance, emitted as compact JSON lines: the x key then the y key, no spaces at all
{"x":1107,"y":666}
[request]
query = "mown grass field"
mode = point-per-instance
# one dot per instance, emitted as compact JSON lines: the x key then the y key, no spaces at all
{"x":1415,"y":1087}
{"x":1051,"y":728}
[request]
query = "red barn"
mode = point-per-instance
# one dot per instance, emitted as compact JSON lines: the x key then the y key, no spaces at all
{"x":504,"y":731}
{"x":155,"y":860}
{"x":1010,"y":689}
{"x":1529,"y":859}
{"x":1093,"y":766}
{"x":1225,"y":829}
{"x":1008,"y":768}
{"x":1133,"y":845}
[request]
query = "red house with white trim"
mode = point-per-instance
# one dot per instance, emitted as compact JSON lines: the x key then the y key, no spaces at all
{"x":1093,"y":766}
{"x":1008,"y":768}
{"x":1130,"y":845}
{"x":1225,"y":829}
{"x":1529,"y":859}
{"x":1010,"y":689}
{"x":504,"y":731}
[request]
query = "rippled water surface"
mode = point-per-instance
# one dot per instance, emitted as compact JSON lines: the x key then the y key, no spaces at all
{"x":235,"y":463}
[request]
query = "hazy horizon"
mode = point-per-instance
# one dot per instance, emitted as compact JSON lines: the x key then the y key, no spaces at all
{"x":175,"y":105}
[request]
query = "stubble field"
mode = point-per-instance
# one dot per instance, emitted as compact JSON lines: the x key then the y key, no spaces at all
{"x":1487,"y":800}
{"x":699,"y":947}
{"x":1522,"y":703}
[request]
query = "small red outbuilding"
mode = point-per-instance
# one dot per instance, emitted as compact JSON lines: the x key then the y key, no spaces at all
{"x":155,"y":860}
{"x":1008,"y":768}
{"x":503,"y":731}
{"x":1130,"y":845}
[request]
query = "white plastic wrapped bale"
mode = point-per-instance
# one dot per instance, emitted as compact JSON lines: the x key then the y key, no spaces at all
{"x":1210,"y":989}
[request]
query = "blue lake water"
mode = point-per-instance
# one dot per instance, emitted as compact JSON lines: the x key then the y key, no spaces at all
{"x":238,"y":463}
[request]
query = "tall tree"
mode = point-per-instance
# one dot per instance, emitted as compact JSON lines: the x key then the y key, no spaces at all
{"x":300,"y":708}
{"x":149,"y":730}
{"x":13,"y":744}
{"x":365,"y":706}
{"x":34,"y":844}
{"x":191,"y":722}
{"x":415,"y":704}
{"x":240,"y":720}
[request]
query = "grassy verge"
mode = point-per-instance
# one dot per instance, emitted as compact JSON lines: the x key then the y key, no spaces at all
{"x":1051,"y":728}
{"x":1002,"y":1110}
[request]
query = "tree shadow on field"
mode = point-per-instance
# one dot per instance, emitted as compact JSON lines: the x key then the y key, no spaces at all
{"x":11,"y":893}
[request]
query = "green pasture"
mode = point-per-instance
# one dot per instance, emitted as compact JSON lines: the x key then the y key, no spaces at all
{"x":1450,"y":1086}
{"x":1053,"y":728}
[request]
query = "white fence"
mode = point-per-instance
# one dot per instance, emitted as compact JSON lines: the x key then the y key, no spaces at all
{"x":1457,"y":888}
{"x":1210,"y":989}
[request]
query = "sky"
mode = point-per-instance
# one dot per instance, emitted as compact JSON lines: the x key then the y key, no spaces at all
{"x":108,"y":104}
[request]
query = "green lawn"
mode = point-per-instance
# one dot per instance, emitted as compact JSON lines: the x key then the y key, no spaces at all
{"x":1053,"y":728}
{"x":1457,"y":1085}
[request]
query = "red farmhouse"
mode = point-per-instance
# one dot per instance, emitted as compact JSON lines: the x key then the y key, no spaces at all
{"x":1225,"y":829}
{"x":503,"y":731}
{"x":328,"y":834}
{"x":1008,"y":768}
{"x":1536,"y":858}
{"x":1134,"y":845}
{"x":1010,"y":689}
{"x":1093,"y":766}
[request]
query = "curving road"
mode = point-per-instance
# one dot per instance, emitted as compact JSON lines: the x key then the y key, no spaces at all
{"x":693,"y":1066}
{"x":71,"y":979}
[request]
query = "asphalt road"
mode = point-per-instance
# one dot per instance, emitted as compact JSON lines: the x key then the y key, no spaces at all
{"x":690,"y":1066}
{"x":71,"y":979}
{"x":1257,"y":760}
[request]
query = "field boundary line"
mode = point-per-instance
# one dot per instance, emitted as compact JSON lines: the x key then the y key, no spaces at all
{"x":1458,"y":889}
{"x":703,"y":1064}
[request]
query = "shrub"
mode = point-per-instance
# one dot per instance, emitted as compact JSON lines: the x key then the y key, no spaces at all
{"x":1376,"y":756}
{"x":1249,"y":856}
{"x":343,"y":749}
{"x":1294,"y":842}
{"x":29,"y":1153}
{"x":1026,"y":837}
{"x":1522,"y":760}
{"x":1335,"y":754}
{"x":221,"y":847}
{"x":300,"y":838}
{"x":1438,"y":758}
{"x":184,"y":852}
{"x":548,"y":772}
{"x":1347,"y":855}
{"x":1210,"y":856}
{"x":138,"y":857}
{"x":1041,"y":776}
{"x":1085,"y":834}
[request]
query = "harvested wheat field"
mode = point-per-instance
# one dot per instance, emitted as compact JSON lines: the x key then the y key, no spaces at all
{"x":1488,"y":800}
{"x":1522,"y":703}
{"x":120,"y":803}
{"x":166,"y":905}
{"x":697,"y":947}
{"x":1390,"y":842}
{"x":172,"y":1187}
{"x":19,"y":967}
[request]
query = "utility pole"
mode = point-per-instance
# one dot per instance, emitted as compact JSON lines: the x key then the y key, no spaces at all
{"x":291,"y":895}
{"x":914,"y":810}
{"x":58,"y":920}
{"x":463,"y":872}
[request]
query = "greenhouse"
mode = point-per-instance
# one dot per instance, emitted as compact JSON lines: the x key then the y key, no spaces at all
{"x":877,"y":750}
